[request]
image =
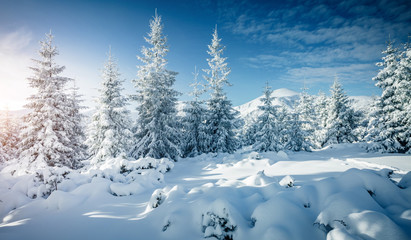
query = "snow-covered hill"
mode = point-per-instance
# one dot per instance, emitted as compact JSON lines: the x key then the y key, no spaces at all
{"x":282,"y":96}
{"x":286,"y":97}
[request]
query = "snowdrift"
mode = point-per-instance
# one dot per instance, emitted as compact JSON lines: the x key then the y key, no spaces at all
{"x":245,"y":195}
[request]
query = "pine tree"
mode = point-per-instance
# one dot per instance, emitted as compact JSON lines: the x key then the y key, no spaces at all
{"x":341,"y":122}
{"x":267,"y":137}
{"x":45,"y":137}
{"x":157,"y":131}
{"x":321,"y":107}
{"x":249,"y":131}
{"x":9,"y":137}
{"x":195,"y":138}
{"x":221,"y":122}
{"x":385,"y":125}
{"x":306,"y":115}
{"x":77,"y":135}
{"x":297,"y":139}
{"x":109,"y":133}
{"x":403,"y":94}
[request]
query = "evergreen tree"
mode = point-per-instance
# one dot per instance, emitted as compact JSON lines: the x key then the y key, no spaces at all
{"x":267,"y":137}
{"x":77,"y":135}
{"x":195,"y":137}
{"x":221,"y":122}
{"x":306,"y":115}
{"x":321,"y":107}
{"x":9,"y":137}
{"x":109,"y":133}
{"x":45,"y":137}
{"x":404,"y":95}
{"x":341,"y":122}
{"x":297,"y":139}
{"x":157,"y":132}
{"x":386,"y":124}
{"x":249,"y":132}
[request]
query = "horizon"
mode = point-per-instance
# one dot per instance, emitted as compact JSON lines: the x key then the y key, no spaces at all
{"x":287,"y":44}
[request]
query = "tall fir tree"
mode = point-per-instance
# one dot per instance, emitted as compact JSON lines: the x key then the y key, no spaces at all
{"x":221,"y":122}
{"x":340,"y":124}
{"x":109,"y":133}
{"x":404,"y":95}
{"x":45,"y":136}
{"x":297,"y":138}
{"x":267,"y":137}
{"x":321,"y":111}
{"x":385,"y":125}
{"x":248,"y":132}
{"x":157,"y":131}
{"x":77,"y":135}
{"x":195,"y":138}
{"x":306,"y":115}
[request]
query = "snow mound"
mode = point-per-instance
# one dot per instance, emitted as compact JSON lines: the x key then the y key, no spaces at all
{"x":287,"y":181}
{"x":282,"y":155}
{"x":254,"y":155}
{"x":259,"y":179}
{"x":405,"y":181}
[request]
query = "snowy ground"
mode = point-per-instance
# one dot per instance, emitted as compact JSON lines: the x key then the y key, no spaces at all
{"x":340,"y":192}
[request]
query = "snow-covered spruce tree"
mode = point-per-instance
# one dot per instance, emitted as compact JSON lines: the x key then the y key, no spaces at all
{"x":267,"y":137}
{"x":157,"y":131}
{"x":341,"y":121}
{"x":221,"y":122}
{"x":248,"y":132}
{"x":385,"y":125}
{"x":77,"y":135}
{"x":297,"y":138}
{"x":404,"y":94}
{"x":306,"y":114}
{"x":9,"y":136}
{"x":109,"y":133}
{"x":45,"y":136}
{"x":321,"y":107}
{"x":195,"y":138}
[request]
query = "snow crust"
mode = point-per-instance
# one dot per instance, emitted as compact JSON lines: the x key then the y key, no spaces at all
{"x":224,"y":196}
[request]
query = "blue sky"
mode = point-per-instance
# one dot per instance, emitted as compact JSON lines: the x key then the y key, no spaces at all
{"x":287,"y":43}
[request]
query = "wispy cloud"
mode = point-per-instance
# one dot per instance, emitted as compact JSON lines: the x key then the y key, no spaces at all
{"x":317,"y":41}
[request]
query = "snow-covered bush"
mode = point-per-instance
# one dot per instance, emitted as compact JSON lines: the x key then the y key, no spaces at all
{"x":287,"y":181}
{"x":157,"y":198}
{"x":217,"y":222}
{"x":123,"y":170}
{"x":46,"y":181}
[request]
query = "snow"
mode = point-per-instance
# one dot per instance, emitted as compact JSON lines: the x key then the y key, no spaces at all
{"x":339,"y":192}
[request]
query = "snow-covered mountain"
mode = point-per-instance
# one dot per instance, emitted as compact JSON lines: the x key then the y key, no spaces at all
{"x":286,"y":97}
{"x":282,"y":96}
